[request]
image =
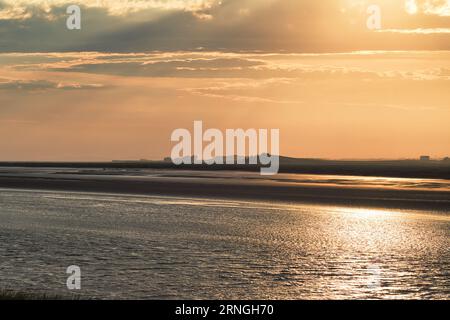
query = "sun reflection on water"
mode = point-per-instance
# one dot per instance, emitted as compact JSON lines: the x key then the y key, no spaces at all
{"x":368,"y":213}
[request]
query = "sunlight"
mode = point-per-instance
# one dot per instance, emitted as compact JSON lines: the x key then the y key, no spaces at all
{"x":366,"y":213}
{"x":411,"y":6}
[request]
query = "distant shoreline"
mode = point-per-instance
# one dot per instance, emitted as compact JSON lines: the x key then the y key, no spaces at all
{"x":432,"y":169}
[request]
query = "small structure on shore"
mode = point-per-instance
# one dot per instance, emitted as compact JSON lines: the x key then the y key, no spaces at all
{"x":425,"y":158}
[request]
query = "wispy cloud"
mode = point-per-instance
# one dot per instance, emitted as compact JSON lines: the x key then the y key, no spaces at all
{"x":227,"y":90}
{"x":358,"y":104}
{"x":39,"y":85}
{"x":429,"y":7}
{"x":310,"y":67}
{"x":417,"y":31}
{"x":24,"y":9}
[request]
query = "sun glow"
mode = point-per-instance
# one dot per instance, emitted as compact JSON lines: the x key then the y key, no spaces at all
{"x":367,"y":213}
{"x":411,"y":6}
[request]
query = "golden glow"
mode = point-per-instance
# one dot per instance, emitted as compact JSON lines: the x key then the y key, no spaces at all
{"x":367,"y":213}
{"x":411,"y":6}
{"x":358,"y":105}
{"x":365,"y":101}
{"x":383,"y":214}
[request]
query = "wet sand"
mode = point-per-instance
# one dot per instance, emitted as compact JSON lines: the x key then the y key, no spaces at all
{"x":234,"y":185}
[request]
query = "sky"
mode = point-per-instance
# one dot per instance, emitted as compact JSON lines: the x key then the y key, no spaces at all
{"x":137,"y":70}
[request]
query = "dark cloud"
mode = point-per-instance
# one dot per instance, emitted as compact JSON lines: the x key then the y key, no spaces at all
{"x":190,"y":70}
{"x":189,"y":67}
{"x":234,"y":65}
{"x":235,"y":25}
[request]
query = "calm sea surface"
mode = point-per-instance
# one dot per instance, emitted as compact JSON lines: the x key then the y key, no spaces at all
{"x":175,"y":248}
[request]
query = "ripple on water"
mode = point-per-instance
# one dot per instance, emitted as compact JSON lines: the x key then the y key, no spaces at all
{"x":168,"y":248}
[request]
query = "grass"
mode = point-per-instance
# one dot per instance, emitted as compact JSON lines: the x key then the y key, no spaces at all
{"x":14,"y":295}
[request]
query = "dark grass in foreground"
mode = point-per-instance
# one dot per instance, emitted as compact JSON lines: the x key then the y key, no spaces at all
{"x":14,"y":295}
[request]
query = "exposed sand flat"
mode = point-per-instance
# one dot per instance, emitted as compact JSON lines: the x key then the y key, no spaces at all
{"x":354,"y":191}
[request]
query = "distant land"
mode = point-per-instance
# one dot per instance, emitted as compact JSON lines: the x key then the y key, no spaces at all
{"x":433,"y":169}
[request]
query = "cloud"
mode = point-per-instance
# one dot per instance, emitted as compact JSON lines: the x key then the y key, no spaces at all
{"x":235,"y":91}
{"x":180,"y":67}
{"x":429,"y":7}
{"x":25,"y":9}
{"x":327,"y":105}
{"x":219,"y":65}
{"x":227,"y":25}
{"x":197,"y":65}
{"x":39,"y":85}
{"x":417,"y":31}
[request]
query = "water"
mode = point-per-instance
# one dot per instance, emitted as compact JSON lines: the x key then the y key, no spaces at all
{"x":174,"y":248}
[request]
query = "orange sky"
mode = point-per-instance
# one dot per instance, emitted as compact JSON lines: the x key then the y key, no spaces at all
{"x":69,"y":104}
